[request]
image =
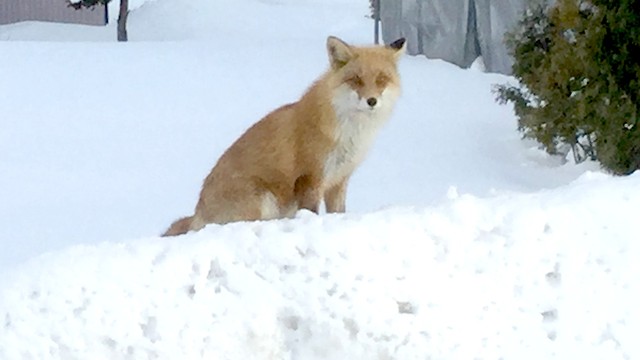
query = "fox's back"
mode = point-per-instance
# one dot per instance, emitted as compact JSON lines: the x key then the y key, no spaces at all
{"x":264,"y":150}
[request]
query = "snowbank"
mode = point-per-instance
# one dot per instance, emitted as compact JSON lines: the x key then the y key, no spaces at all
{"x":551,"y":275}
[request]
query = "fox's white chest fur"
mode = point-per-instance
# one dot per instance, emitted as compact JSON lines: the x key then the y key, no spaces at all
{"x":356,"y":128}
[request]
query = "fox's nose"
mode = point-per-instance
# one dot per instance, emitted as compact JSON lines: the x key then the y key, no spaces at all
{"x":372,"y":101}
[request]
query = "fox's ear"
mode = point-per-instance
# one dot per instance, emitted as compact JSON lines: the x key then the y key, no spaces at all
{"x":339,"y":52}
{"x":399,"y":46}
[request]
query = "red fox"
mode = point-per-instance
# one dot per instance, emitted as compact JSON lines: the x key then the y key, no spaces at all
{"x":303,"y":153}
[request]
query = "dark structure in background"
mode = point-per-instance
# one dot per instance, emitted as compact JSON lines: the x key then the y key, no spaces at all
{"x":457,"y":31}
{"x":12,"y":11}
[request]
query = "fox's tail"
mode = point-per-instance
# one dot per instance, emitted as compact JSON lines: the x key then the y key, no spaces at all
{"x":179,"y":227}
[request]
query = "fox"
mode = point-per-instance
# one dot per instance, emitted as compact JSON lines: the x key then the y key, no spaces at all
{"x":305,"y":152}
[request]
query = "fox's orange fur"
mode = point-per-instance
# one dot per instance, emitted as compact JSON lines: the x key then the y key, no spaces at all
{"x":304,"y":152}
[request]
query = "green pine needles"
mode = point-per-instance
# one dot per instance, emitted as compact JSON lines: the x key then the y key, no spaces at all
{"x":578,"y":67}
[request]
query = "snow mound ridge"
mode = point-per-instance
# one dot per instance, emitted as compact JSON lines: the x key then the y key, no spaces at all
{"x":471,"y":278}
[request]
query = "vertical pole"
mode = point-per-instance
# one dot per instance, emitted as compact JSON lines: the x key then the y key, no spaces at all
{"x":106,"y":13}
{"x":376,"y":15}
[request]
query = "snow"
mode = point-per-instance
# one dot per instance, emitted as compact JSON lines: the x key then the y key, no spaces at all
{"x":460,"y":240}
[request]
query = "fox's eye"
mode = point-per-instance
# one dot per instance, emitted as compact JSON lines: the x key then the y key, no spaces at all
{"x":382,"y":80}
{"x":355,"y":81}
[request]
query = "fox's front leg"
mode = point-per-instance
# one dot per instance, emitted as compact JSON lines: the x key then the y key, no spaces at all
{"x":307,"y":190}
{"x":335,"y":197}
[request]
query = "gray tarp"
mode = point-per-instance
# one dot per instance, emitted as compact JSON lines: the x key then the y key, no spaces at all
{"x":457,"y":31}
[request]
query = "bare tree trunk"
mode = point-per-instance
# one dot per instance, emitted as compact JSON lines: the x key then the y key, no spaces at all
{"x":122,"y":20}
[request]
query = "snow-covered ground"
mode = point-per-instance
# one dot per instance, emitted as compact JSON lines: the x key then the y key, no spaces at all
{"x":461,"y":240}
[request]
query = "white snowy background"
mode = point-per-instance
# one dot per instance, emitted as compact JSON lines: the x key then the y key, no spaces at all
{"x":461,"y":240}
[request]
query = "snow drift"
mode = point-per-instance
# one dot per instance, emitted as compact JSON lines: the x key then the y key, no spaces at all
{"x":541,"y":276}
